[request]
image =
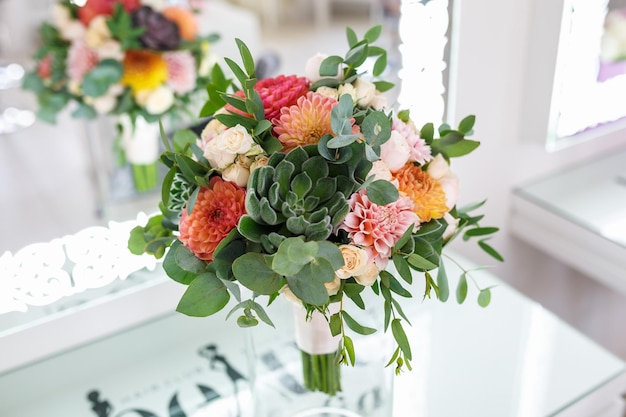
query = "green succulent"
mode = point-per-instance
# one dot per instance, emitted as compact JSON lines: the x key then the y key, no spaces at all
{"x":180,"y":191}
{"x":298,"y":194}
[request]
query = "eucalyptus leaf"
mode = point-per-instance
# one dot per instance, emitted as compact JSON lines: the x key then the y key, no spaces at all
{"x":253,"y":272}
{"x":382,"y":192}
{"x":355,"y":326}
{"x":461,"y":289}
{"x":484,"y":297}
{"x":206,"y":295}
{"x":442,"y":282}
{"x":400,"y":336}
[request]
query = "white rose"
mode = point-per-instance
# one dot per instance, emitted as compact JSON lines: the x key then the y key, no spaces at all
{"x":97,"y":32}
{"x":395,"y":152}
{"x":212,"y":129}
{"x":218,"y":158}
{"x":235,"y":140}
{"x":355,"y":261}
{"x":333,"y":287}
{"x":160,"y":100}
{"x":347,"y":89}
{"x":236,"y":173}
{"x":73,"y":31}
{"x":365,"y":92}
{"x":368,"y":277}
{"x":439,"y":170}
{"x":104,"y":104}
{"x":453,"y":225}
{"x":312,"y":68}
{"x":328,"y":92}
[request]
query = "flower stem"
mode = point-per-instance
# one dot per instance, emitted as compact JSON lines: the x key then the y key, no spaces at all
{"x":145,"y":177}
{"x":321,"y":373}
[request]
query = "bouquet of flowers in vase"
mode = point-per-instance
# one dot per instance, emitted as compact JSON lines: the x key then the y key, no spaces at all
{"x":137,"y":60}
{"x":309,"y":187}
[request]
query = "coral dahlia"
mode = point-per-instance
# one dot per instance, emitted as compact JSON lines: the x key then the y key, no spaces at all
{"x":144,"y":70}
{"x":428,"y":196}
{"x":216,"y":212}
{"x":378,"y":228}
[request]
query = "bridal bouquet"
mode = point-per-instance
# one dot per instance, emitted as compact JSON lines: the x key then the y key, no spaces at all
{"x":308,"y":187}
{"x":134,"y":59}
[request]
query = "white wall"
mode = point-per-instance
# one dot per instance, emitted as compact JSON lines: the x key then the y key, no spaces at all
{"x":505,"y":56}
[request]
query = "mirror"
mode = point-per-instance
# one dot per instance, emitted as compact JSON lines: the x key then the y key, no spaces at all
{"x":590,"y":75}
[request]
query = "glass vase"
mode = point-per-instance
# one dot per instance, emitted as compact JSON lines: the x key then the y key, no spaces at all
{"x":125,"y":165}
{"x":294,"y":370}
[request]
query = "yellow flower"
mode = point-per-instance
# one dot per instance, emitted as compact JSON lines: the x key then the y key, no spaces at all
{"x":144,"y":70}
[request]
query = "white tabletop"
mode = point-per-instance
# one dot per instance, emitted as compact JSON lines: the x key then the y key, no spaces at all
{"x":512,"y":358}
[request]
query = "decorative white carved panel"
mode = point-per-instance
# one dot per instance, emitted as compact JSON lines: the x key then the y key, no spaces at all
{"x":43,"y":273}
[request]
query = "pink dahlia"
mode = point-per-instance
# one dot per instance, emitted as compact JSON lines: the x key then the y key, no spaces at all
{"x":305,"y":122}
{"x":378,"y":228}
{"x":276,"y":93}
{"x":181,"y":69}
{"x":216,"y":212}
{"x":419,"y":150}
{"x":80,"y":60}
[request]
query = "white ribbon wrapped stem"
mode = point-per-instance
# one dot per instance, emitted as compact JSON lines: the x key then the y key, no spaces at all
{"x":313,"y":336}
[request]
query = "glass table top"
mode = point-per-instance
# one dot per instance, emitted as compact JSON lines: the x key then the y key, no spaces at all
{"x":513,"y":358}
{"x":592,"y":195}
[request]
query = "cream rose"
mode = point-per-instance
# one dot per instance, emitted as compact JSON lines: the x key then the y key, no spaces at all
{"x":110,"y":49}
{"x":333,"y":287}
{"x":218,"y":158}
{"x":237,"y":174}
{"x":380,"y":171}
{"x":368,"y":277}
{"x":347,"y":89}
{"x":73,"y":31}
{"x":235,"y":140}
{"x":365,"y":92}
{"x":453,"y":225}
{"x":212,"y":129}
{"x":160,"y":100}
{"x":395,"y":152}
{"x":259,"y":161}
{"x":97,"y":32}
{"x":439,"y":170}
{"x":312,"y":68}
{"x":355,"y":261}
{"x":328,"y":92}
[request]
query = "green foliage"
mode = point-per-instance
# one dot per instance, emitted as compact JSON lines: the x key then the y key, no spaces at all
{"x":121,"y":26}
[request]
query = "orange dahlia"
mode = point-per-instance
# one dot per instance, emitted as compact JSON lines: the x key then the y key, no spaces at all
{"x":305,"y":122}
{"x":427,"y":194}
{"x":216,"y":212}
{"x":184,"y":19}
{"x":144,"y":70}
